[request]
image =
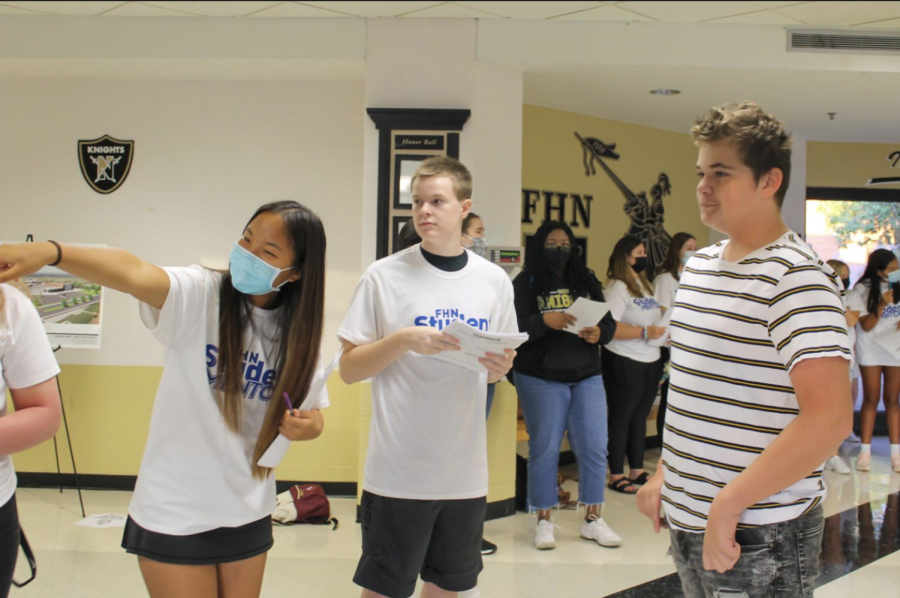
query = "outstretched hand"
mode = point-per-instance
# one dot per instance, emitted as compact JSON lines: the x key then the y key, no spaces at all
{"x":21,"y":259}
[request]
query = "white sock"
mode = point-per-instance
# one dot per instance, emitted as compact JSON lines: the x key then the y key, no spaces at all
{"x":895,"y":449}
{"x":865,"y":449}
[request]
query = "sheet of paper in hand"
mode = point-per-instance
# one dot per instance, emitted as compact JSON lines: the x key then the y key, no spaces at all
{"x":587,"y":312}
{"x":279,"y":448}
{"x":475,"y":343}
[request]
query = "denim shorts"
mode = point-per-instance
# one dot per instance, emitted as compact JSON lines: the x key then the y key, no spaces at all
{"x":780,"y":560}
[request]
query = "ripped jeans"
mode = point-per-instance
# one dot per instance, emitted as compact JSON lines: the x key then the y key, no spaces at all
{"x":780,"y":560}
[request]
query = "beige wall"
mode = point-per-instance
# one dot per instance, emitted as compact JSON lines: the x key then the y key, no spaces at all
{"x":849,"y":164}
{"x":552,"y":160}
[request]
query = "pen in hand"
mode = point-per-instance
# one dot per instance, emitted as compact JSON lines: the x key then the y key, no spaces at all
{"x":287,"y":399}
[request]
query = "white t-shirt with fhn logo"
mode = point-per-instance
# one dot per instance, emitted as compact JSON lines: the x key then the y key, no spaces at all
{"x":196,"y":474}
{"x":427,"y":439}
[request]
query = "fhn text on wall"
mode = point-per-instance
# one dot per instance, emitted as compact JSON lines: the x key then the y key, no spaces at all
{"x":573,"y":208}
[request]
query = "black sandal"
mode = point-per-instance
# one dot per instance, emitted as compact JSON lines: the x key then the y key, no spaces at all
{"x":641,"y":479}
{"x":620,"y":485}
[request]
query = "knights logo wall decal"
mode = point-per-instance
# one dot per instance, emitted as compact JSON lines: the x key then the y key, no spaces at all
{"x":105,"y":162}
{"x":647,"y":218}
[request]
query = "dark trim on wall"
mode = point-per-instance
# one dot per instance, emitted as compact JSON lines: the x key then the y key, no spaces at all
{"x":419,"y":119}
{"x":853,"y":194}
{"x":384,"y":192}
{"x":453,"y":145}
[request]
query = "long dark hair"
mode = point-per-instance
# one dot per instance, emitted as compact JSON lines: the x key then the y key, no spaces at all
{"x":578,"y":277}
{"x":672,"y":261}
{"x":299,"y":327}
{"x":879,"y":260}
{"x":620,"y":269}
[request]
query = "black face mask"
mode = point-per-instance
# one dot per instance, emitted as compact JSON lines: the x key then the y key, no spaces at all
{"x":557,"y":257}
{"x":640,"y":265}
{"x":846,"y":283}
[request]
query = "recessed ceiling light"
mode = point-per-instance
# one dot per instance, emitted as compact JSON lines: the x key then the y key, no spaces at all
{"x":666,"y":92}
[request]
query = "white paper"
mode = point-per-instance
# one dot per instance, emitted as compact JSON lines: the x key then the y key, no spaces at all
{"x":664,"y":321}
{"x":279,"y":448}
{"x":103,"y":521}
{"x":475,"y":343}
{"x":587,"y":312}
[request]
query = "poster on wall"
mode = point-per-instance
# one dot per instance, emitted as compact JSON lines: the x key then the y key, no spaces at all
{"x":70,"y":307}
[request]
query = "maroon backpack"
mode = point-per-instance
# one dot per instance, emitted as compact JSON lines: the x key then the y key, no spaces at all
{"x":306,"y":503}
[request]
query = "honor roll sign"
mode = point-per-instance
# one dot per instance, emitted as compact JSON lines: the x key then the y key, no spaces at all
{"x":105,"y":162}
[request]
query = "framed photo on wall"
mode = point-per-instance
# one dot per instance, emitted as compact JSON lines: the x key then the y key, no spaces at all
{"x":405,"y":166}
{"x":398,"y":222}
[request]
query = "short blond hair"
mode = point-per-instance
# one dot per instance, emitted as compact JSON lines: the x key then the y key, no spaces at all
{"x":446,"y":166}
{"x":762,"y":141}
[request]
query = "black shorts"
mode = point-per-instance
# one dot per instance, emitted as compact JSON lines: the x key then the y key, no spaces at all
{"x":221,"y":545}
{"x":402,"y":539}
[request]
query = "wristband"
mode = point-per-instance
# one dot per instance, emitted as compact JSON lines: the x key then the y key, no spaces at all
{"x":58,"y":253}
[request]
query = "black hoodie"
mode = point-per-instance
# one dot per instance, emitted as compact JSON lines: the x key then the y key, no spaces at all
{"x":556,"y":355}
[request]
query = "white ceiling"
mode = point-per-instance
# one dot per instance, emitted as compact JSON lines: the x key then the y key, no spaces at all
{"x":588,"y":59}
{"x":857,"y":14}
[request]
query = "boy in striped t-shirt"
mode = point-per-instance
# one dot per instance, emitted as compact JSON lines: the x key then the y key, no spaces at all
{"x":760,"y":385}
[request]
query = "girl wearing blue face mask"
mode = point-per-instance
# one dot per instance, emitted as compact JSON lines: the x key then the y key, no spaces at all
{"x":681,"y":249}
{"x":877,"y":334}
{"x":235,"y":342}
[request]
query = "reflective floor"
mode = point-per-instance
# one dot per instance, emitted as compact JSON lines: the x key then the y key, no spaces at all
{"x":860,"y":554}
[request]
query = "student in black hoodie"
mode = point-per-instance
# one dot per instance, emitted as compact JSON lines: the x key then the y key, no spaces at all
{"x":559,"y":382}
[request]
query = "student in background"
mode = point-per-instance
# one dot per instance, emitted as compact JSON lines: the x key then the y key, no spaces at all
{"x":28,"y":370}
{"x":473,"y":237}
{"x":835,"y":463}
{"x":200,"y":518}
{"x":632,"y":367}
{"x":559,"y":381}
{"x":879,"y":316}
{"x":681,"y":249}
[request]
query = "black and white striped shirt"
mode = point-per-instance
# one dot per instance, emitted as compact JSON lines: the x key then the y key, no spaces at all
{"x":737,"y":330}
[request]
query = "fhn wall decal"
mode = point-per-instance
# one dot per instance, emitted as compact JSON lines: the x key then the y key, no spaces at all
{"x":894,"y":159}
{"x":647,"y":216}
{"x":105,"y":162}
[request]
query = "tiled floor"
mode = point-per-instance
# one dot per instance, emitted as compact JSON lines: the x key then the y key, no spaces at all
{"x":314,"y":562}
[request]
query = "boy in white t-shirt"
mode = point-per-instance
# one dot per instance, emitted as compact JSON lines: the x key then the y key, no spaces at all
{"x":425,"y":482}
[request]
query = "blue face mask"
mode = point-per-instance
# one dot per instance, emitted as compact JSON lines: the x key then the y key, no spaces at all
{"x":251,"y":275}
{"x":687,"y":255}
{"x":894,"y":277}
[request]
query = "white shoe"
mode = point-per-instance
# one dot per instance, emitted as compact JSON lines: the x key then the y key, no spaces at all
{"x":864,"y":462}
{"x":543,"y":535}
{"x":895,"y":463}
{"x":473,"y":593}
{"x":837,"y":465}
{"x":598,"y":530}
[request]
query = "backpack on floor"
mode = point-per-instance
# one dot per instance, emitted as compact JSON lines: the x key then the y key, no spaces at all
{"x":305,"y":503}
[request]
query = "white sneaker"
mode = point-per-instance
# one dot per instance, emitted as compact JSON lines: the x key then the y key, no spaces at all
{"x":864,"y":462}
{"x":837,"y":465}
{"x":895,"y":463}
{"x":543,"y":535}
{"x":597,"y":529}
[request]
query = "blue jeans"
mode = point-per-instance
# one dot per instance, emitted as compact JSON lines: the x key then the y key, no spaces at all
{"x":551,"y":409}
{"x":780,"y":560}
